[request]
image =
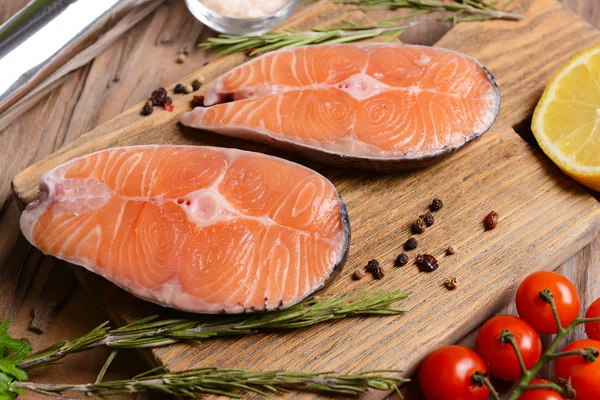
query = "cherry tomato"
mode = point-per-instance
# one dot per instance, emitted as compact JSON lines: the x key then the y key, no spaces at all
{"x":566,"y":366}
{"x":592,"y":329}
{"x":540,"y":394}
{"x":501,"y":358}
{"x":446,"y":375}
{"x":539,"y":313}
{"x":586,"y":384}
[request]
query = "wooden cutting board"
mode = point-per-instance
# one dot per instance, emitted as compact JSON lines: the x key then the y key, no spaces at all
{"x":544,"y":216}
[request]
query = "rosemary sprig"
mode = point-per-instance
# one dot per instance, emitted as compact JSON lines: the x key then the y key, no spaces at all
{"x":462,"y":10}
{"x":228,"y":382}
{"x":258,"y":44}
{"x":150,"y":332}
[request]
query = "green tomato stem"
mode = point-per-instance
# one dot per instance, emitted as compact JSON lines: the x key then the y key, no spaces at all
{"x":481,"y":379}
{"x":586,"y":320}
{"x":561,"y":390}
{"x":508,"y":337}
{"x":590,"y":354}
{"x":550,"y":353}
{"x":547,"y":296}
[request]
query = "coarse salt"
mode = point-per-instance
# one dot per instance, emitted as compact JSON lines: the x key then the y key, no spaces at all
{"x":244,"y":8}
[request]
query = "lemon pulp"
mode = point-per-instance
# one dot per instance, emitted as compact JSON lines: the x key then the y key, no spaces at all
{"x":566,"y":121}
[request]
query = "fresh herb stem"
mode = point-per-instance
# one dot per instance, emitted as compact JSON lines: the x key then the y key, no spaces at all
{"x":150,"y":332}
{"x":489,"y":10}
{"x":229,"y":382}
{"x":258,"y":44}
{"x":460,"y":11}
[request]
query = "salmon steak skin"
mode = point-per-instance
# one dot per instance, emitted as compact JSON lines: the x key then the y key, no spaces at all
{"x":376,"y":106}
{"x":200,"y":229}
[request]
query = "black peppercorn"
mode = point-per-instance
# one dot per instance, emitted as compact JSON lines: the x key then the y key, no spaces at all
{"x":147,"y":110}
{"x":428,"y":219}
{"x":411,"y":244}
{"x":419,"y":226}
{"x":427,"y":263}
{"x":168,"y":100}
{"x":401,"y":260}
{"x":196,"y":85}
{"x":178,"y":89}
{"x":436,"y":205}
{"x":159,"y":96}
{"x":375,"y":269}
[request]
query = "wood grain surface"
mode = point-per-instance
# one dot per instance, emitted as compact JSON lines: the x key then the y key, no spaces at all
{"x":91,"y":96}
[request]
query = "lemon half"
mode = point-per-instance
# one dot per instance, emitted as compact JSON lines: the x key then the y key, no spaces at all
{"x":566,"y":121}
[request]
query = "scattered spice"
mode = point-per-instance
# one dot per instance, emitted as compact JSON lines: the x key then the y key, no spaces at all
{"x":427,"y":263}
{"x":375,"y":269}
{"x":428,"y":219}
{"x":181,"y":57}
{"x":419,"y":226}
{"x":196,"y":85}
{"x":411,"y":244}
{"x":451,"y":283}
{"x":436,"y":205}
{"x":188,"y":89}
{"x":401,"y":260}
{"x":451,"y":250}
{"x":491,"y":221}
{"x":179,"y":89}
{"x":159,"y":96}
{"x":168,"y":107}
{"x":197,"y":101}
{"x":358,"y":274}
{"x":147,"y":110}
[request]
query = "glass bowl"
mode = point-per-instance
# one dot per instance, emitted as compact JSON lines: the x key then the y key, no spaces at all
{"x":240,"y":26}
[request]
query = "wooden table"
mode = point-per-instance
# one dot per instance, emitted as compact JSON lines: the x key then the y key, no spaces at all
{"x":121,"y":76}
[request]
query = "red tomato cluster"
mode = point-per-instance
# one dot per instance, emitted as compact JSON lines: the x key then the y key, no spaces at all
{"x":450,"y":373}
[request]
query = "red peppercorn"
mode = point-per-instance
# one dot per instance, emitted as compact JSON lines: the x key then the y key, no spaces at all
{"x":427,"y":263}
{"x":159,"y":96}
{"x":169,"y":107}
{"x":197,"y":101}
{"x":491,"y":221}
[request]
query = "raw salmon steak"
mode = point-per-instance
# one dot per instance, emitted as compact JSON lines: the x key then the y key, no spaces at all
{"x":374,"y":105}
{"x":201,"y":229}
